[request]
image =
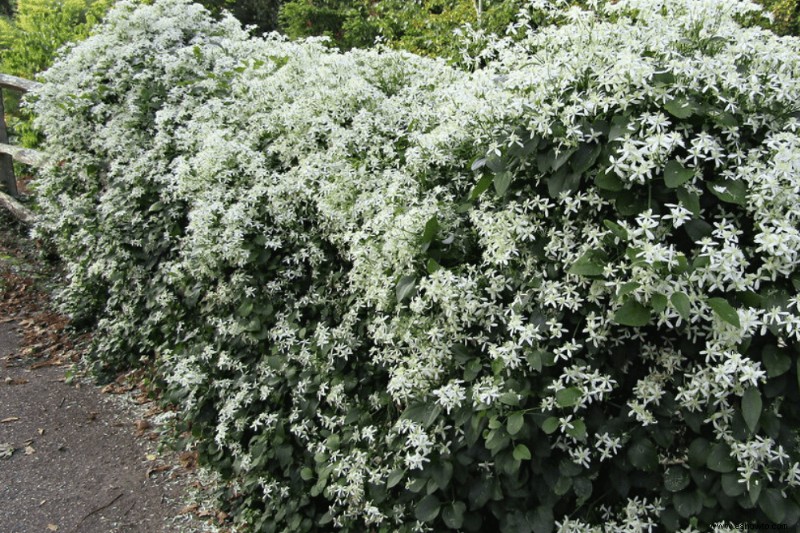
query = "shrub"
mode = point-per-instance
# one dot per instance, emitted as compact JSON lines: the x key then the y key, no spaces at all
{"x":559,"y":292}
{"x":785,"y":16}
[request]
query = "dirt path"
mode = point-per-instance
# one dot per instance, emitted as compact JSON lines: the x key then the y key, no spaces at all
{"x":76,"y":464}
{"x":75,"y":458}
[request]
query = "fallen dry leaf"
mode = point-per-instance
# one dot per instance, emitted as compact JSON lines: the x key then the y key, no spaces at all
{"x":49,"y":362}
{"x":52,"y":527}
{"x":16,"y":381}
{"x":153,"y":411}
{"x":188,"y":460}
{"x":189,"y":509}
{"x":142,"y":425}
{"x":6,"y":450}
{"x":157,"y":469}
{"x":41,"y":431}
{"x":30,"y":450}
{"x":9,"y":419}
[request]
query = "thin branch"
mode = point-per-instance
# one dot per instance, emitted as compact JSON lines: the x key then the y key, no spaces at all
{"x":117,"y":497}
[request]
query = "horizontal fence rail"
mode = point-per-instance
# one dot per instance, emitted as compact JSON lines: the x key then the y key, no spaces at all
{"x":30,"y":157}
{"x":9,"y":152}
{"x":17,"y":84}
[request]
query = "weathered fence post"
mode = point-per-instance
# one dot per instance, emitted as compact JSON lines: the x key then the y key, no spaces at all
{"x":7,"y":177}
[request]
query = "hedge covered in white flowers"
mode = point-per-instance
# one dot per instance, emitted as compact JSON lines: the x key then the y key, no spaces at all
{"x":559,"y":292}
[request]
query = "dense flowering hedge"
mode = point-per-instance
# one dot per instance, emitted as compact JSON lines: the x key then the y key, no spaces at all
{"x":560,"y":292}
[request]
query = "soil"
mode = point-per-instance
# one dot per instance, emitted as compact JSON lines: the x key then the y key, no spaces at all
{"x":75,"y":457}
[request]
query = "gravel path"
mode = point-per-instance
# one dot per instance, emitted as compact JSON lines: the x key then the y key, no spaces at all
{"x":77,"y":465}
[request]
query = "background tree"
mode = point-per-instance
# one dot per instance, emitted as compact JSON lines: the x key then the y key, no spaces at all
{"x":424,"y":27}
{"x":263,"y":14}
{"x":31,"y":38}
{"x":786,"y":15}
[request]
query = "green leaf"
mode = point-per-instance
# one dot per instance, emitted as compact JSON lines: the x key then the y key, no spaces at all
{"x":618,"y":231}
{"x":568,"y":397}
{"x":395,"y":476}
{"x":643,"y":456}
{"x":755,"y":490}
{"x":245,"y":309}
{"x":405,"y":288}
{"x":453,"y":515}
{"x":676,"y":478}
{"x":720,"y":460}
{"x":731,"y":486}
{"x":681,"y":304}
{"x":633,"y":314}
{"x":501,"y":182}
{"x":658,"y":302}
{"x":484,"y":183}
{"x":472,"y":369}
{"x":688,"y":504}
{"x":773,"y":504}
{"x":431,"y":228}
{"x":726,"y":119}
{"x":698,"y":229}
{"x":509,"y":398}
{"x":550,"y":425}
{"x":689,"y":200}
{"x":542,"y":519}
{"x":578,"y":429}
{"x":679,"y":108}
{"x":427,"y":509}
{"x":562,"y":157}
{"x":699,"y":450}
{"x":563,"y":181}
{"x":423,"y":413}
{"x":306,"y":474}
{"x":619,"y":127}
{"x":515,"y":422}
{"x":333,"y":442}
{"x":441,"y":473}
{"x":432,"y":266}
{"x":522,"y":453}
{"x":562,"y":486}
{"x":676,"y":174}
{"x":751,"y":407}
{"x":730,"y":191}
{"x":589,"y":264}
{"x":628,"y":288}
{"x":480,"y":491}
{"x":776,"y":361}
{"x":585,"y":157}
{"x":495,"y":164}
{"x":724,"y":310}
{"x":608,"y":181}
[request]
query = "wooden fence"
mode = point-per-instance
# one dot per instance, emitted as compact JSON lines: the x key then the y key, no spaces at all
{"x":8,"y":153}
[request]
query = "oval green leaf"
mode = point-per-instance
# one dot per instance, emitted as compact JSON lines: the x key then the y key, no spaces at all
{"x":676,"y":174}
{"x":515,"y":422}
{"x":724,"y":310}
{"x":428,"y":508}
{"x":632,"y":313}
{"x":751,"y":407}
{"x":522,"y":453}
